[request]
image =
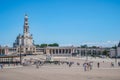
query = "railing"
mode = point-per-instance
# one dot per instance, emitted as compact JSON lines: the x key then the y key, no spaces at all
{"x":9,"y":60}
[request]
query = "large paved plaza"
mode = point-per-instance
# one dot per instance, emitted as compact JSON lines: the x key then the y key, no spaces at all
{"x":61,"y":72}
{"x":58,"y":73}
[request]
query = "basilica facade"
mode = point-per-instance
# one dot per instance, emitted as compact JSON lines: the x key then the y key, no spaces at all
{"x":24,"y":43}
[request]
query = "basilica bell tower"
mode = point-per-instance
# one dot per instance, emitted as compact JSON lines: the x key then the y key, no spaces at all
{"x":26,"y":26}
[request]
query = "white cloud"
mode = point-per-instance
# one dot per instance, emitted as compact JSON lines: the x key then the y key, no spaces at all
{"x":100,"y":44}
{"x":103,"y":44}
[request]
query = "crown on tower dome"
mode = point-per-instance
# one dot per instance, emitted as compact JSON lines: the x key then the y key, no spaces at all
{"x":26,"y":16}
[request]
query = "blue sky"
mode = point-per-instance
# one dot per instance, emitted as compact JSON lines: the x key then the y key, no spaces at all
{"x":67,"y":22}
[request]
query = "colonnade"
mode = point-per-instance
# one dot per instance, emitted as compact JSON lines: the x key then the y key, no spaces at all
{"x":60,"y":51}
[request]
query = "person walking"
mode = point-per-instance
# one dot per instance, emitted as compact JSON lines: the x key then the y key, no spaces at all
{"x":112,"y":64}
{"x":37,"y":64}
{"x":78,"y":64}
{"x":85,"y":66}
{"x":98,"y":64}
{"x":1,"y":66}
{"x":91,"y":65}
{"x":119,"y":64}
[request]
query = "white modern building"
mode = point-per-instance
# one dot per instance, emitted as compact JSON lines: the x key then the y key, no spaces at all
{"x":118,"y":50}
{"x":115,"y":52}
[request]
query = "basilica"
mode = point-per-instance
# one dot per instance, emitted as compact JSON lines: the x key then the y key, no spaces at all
{"x":24,"y":43}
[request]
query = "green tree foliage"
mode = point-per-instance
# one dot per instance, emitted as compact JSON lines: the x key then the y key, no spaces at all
{"x":94,"y":47}
{"x":53,"y":45}
{"x":43,"y":45}
{"x":114,"y":47}
{"x":37,"y":45}
{"x":84,"y":46}
{"x":105,"y":52}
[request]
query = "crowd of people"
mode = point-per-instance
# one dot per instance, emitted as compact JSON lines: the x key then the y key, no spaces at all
{"x":1,"y":66}
{"x":87,"y":65}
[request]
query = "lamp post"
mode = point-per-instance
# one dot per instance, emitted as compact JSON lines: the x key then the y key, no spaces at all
{"x":86,"y":54}
{"x":115,"y":54}
{"x":20,"y":56}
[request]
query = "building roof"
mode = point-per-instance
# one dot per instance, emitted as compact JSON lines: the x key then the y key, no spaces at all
{"x":8,"y":56}
{"x":59,"y":47}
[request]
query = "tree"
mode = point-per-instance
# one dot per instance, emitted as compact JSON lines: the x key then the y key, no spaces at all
{"x":114,"y":47}
{"x":37,"y":45}
{"x":84,"y":46}
{"x":43,"y":45}
{"x":105,"y":52}
{"x":94,"y":47}
{"x":53,"y":45}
